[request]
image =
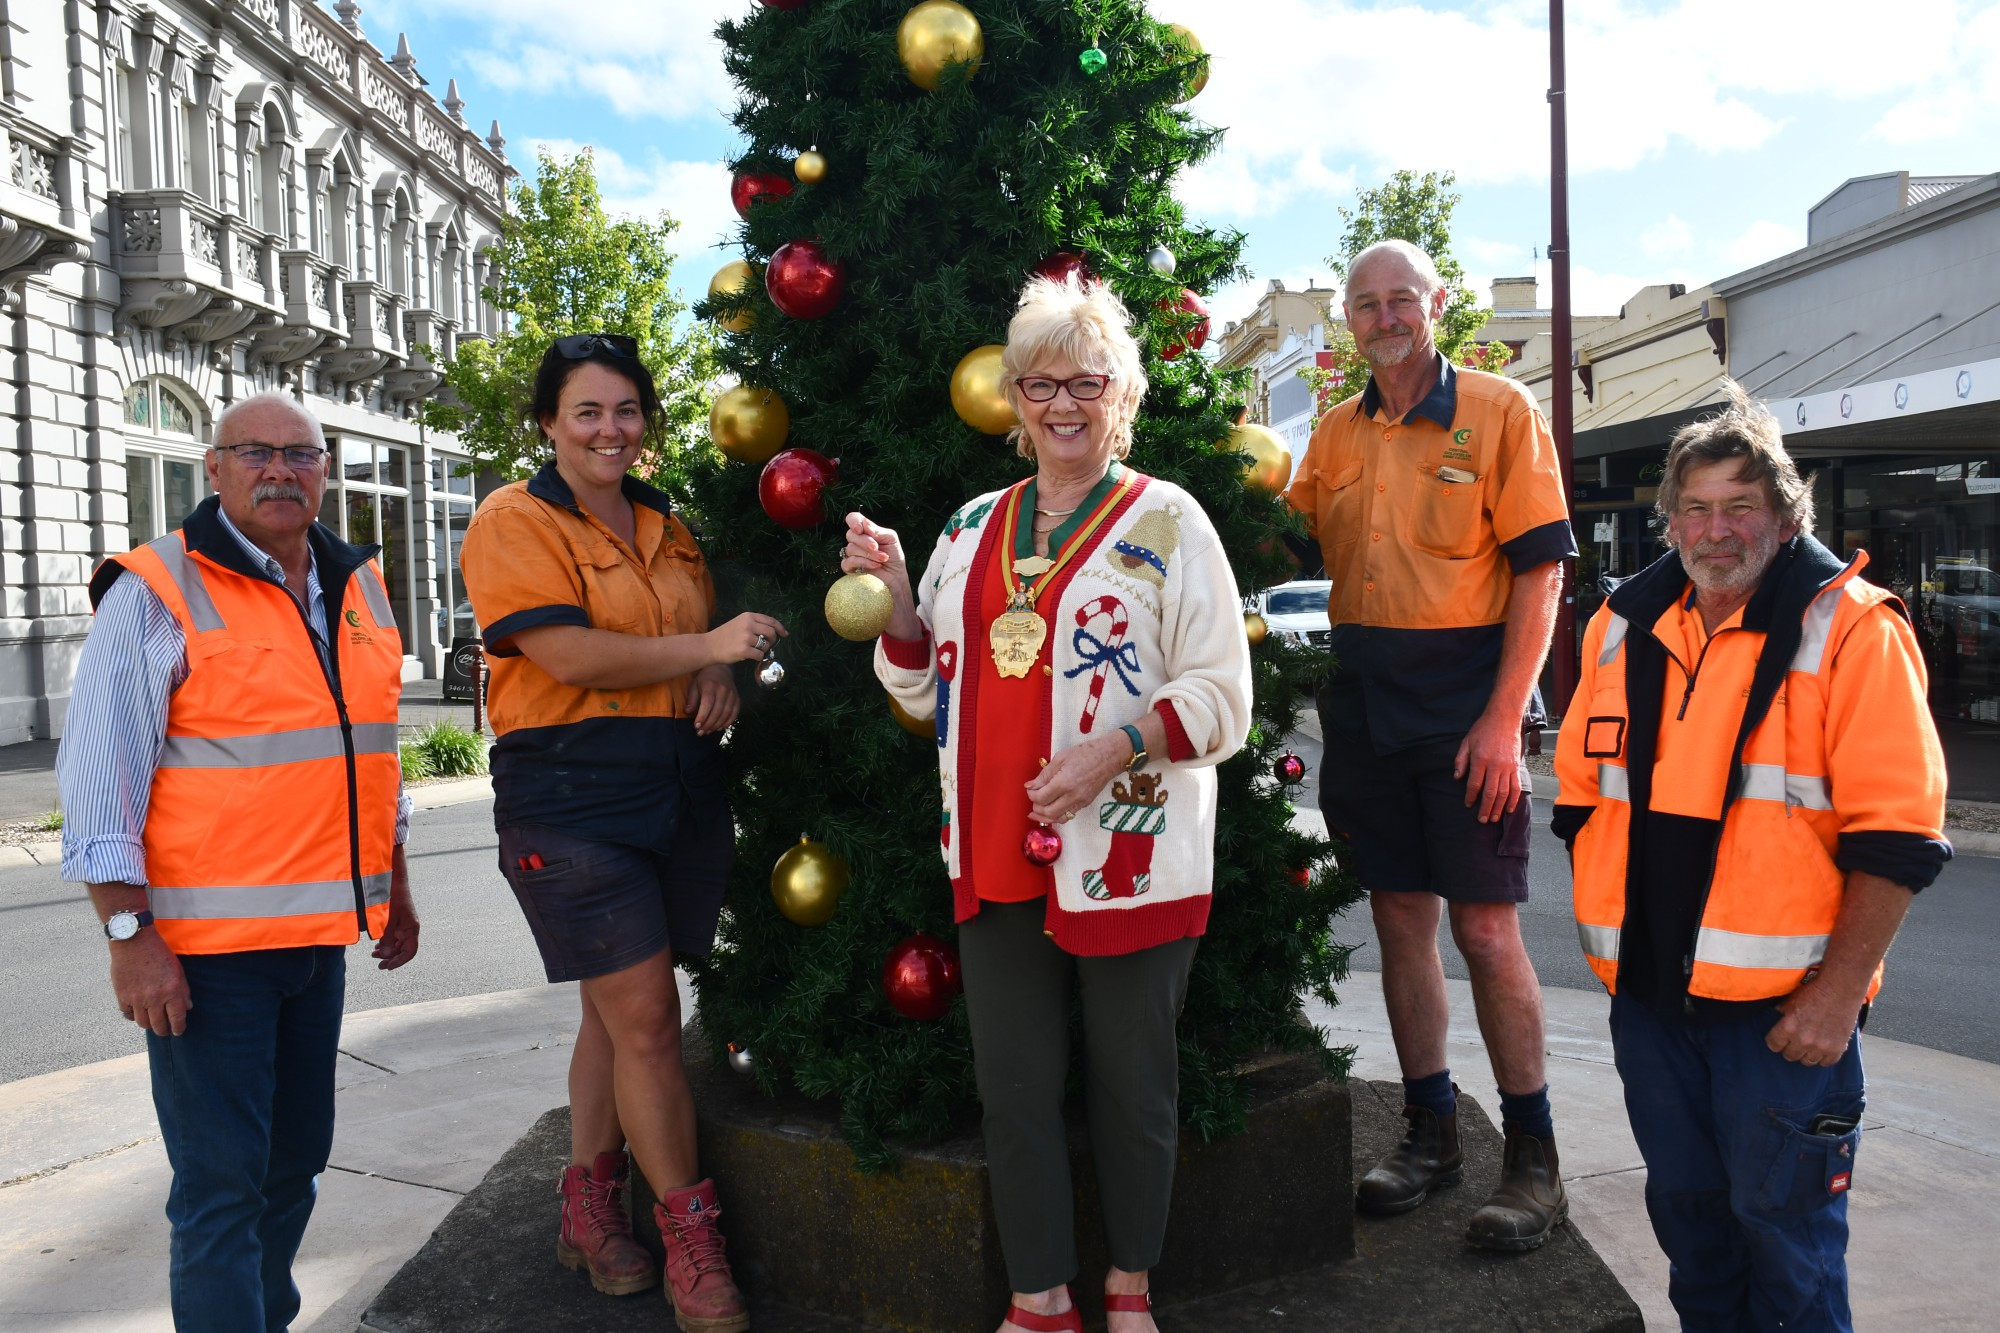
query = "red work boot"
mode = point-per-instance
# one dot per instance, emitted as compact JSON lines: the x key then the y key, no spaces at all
{"x":699,"y":1283}
{"x":596,"y":1234}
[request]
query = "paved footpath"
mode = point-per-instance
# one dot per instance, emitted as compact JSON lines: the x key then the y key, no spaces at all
{"x":431,"y":1094}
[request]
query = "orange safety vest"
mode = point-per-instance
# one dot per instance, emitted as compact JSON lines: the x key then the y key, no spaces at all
{"x":1775,"y":891}
{"x":272,"y":818}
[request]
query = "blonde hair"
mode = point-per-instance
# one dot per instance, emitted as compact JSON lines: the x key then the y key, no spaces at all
{"x":1744,"y":429}
{"x":1085,"y":324}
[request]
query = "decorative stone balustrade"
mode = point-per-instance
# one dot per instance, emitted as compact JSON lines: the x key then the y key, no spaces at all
{"x":374,"y":333}
{"x":41,"y":224}
{"x":208,"y":276}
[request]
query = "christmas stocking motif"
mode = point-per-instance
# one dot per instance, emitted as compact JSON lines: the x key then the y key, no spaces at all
{"x":1134,"y":816}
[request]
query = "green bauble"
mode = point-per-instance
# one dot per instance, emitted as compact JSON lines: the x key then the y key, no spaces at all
{"x":1093,"y":61}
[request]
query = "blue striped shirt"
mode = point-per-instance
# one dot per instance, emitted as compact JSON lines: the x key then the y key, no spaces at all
{"x":133,"y":661}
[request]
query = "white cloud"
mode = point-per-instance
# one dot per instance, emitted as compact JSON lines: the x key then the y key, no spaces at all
{"x":1669,"y":238}
{"x":1314,"y":92}
{"x":694,"y":194}
{"x":1760,"y":242}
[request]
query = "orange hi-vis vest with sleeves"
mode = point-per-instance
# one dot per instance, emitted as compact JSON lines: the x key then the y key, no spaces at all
{"x":1767,"y":741}
{"x":272,"y":818}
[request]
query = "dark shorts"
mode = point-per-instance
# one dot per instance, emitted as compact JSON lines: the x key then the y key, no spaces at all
{"x":1405,"y":819}
{"x":599,"y":907}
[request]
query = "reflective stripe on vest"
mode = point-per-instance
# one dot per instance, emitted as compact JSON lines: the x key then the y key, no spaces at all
{"x":376,"y":596}
{"x":186,"y":574}
{"x":1729,"y":948}
{"x":1770,"y":782}
{"x":278,"y":747}
{"x":1613,"y":783}
{"x":1599,"y":941}
{"x":1816,"y":627}
{"x":261,"y":900}
{"x":1614,"y":639}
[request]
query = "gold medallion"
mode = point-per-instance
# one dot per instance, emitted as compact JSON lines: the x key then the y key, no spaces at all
{"x":1017,"y":636}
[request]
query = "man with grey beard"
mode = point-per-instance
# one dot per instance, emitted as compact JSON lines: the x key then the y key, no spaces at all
{"x":233,"y":800}
{"x":1752,"y":791}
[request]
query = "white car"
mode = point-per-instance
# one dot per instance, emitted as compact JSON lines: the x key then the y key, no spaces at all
{"x":1297,"y":611}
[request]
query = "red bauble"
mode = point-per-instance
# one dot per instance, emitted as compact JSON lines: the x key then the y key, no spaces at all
{"x":803,"y":282}
{"x":1302,"y":877}
{"x":1042,"y":845}
{"x":1290,"y":769}
{"x":1058,"y":267}
{"x":920,"y":976}
{"x":793,"y":488}
{"x":1197,"y":336}
{"x":748,"y":188}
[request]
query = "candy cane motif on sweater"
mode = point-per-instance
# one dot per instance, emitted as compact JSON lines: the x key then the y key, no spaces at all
{"x":1101,"y":657}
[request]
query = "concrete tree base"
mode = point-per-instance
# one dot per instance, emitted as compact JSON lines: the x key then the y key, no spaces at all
{"x":1260,"y":1238}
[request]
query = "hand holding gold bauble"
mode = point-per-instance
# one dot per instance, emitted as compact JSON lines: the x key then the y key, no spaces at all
{"x":937,"y":33}
{"x":749,"y":424}
{"x":910,"y":722}
{"x":858,"y":606}
{"x":730,"y":279}
{"x":977,"y":392}
{"x":1254,"y":628}
{"x":810,"y":167}
{"x":807,"y":883}
{"x":1269,"y":467}
{"x":1198,"y":80}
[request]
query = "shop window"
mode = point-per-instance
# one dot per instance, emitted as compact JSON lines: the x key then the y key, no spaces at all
{"x":160,"y":492}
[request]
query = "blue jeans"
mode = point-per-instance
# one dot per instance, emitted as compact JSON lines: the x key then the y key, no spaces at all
{"x":1749,"y":1203}
{"x":245,"y":1100}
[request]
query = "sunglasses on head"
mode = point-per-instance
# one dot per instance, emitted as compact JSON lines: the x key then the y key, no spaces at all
{"x":580,"y":345}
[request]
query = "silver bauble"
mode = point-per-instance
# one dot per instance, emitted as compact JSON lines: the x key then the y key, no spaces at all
{"x":741,"y":1060}
{"x":1161,"y":260}
{"x":771,"y":673}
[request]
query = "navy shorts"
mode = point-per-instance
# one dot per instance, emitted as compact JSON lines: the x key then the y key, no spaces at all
{"x":600,"y":907}
{"x":1405,"y":819}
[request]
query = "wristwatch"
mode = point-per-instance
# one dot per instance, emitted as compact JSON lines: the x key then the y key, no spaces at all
{"x":1138,"y":759}
{"x":124,"y":925}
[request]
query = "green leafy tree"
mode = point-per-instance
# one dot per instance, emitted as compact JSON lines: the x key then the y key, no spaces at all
{"x":939,"y":204}
{"x":1417,"y":209}
{"x":565,"y":266}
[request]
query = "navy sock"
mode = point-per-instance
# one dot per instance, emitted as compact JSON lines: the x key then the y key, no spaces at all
{"x":1434,"y":1093}
{"x":1528,"y":1113}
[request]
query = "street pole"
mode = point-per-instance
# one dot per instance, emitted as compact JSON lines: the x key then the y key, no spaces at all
{"x":1562,"y":417}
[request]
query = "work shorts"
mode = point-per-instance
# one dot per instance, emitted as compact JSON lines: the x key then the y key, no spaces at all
{"x":1406,"y":823}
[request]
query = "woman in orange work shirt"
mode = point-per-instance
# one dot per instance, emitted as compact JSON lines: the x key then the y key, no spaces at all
{"x":609,"y":693}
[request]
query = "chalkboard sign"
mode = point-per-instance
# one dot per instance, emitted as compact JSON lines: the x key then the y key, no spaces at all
{"x":461,"y":671}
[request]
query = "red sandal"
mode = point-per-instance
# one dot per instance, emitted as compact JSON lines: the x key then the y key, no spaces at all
{"x":1115,"y":1303}
{"x":1069,"y":1321}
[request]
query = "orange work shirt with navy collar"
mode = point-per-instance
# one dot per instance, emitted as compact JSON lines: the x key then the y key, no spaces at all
{"x":1423,"y":523}
{"x":598,"y":763}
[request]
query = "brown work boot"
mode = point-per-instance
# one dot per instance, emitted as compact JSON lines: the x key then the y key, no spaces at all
{"x":699,"y":1283}
{"x":596,"y":1233}
{"x":1427,"y":1159}
{"x":1530,"y":1202}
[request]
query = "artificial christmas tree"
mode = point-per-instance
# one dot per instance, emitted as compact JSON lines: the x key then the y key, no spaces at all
{"x":968,"y":160}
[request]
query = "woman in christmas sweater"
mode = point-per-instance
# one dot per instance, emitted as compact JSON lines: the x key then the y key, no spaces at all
{"x":1078,"y":640}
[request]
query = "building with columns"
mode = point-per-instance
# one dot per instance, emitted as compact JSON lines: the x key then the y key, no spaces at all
{"x":204,"y":200}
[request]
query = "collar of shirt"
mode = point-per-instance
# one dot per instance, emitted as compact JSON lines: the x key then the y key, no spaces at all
{"x":1439,"y":405}
{"x":548,"y":484}
{"x":315,"y":601}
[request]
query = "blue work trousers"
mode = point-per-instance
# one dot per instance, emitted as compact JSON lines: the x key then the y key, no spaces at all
{"x":245,"y":1100}
{"x":1747,"y":1194}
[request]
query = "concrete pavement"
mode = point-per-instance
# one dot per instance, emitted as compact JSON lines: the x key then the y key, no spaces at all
{"x":431,"y":1095}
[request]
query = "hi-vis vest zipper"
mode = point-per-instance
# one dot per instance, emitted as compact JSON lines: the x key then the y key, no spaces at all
{"x":1775,"y":891}
{"x":272,"y":816}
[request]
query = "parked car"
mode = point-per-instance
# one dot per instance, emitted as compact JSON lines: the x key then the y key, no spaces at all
{"x":1297,"y":611}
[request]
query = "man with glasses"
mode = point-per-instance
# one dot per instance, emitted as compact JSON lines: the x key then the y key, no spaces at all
{"x":1752,"y":791}
{"x":1438,"y":505}
{"x":232,"y":791}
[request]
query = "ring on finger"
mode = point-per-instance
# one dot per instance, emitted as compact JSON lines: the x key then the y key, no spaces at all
{"x":761,"y":642}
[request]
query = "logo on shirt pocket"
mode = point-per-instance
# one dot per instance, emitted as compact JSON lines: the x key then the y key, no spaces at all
{"x":1603,"y":737}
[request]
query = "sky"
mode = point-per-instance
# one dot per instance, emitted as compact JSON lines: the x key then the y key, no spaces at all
{"x":1700,"y":131}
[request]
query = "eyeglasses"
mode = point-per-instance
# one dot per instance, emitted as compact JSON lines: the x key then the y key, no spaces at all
{"x":1083,"y":388}
{"x":298,"y":457}
{"x":580,"y":345}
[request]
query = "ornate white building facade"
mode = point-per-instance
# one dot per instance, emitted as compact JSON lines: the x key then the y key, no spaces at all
{"x":202,"y":200}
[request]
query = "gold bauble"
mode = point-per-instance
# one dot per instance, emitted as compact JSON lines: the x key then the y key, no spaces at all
{"x":749,"y":424}
{"x":910,"y":722}
{"x":810,"y":168}
{"x":1254,"y":628}
{"x":976,"y":392}
{"x":731,"y":278}
{"x":858,"y":606}
{"x":1199,"y":79}
{"x":1269,"y":467}
{"x":937,"y":33}
{"x":807,"y":883}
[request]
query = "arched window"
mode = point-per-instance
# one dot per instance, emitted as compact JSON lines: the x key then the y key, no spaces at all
{"x":163,"y":471}
{"x":274,"y":178}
